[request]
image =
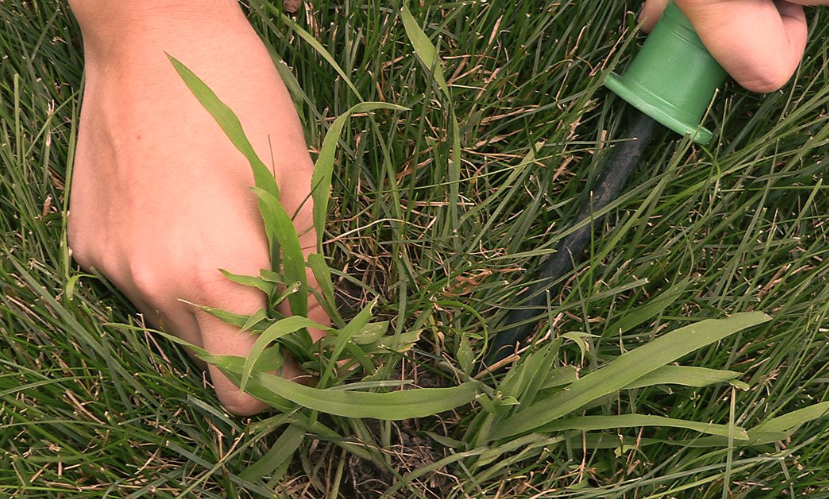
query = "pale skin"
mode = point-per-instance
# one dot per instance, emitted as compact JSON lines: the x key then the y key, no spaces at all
{"x":161,"y":200}
{"x":758,"y":42}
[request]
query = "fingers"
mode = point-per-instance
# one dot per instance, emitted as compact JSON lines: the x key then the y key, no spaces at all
{"x":758,"y":42}
{"x":220,"y":338}
{"x":159,"y":298}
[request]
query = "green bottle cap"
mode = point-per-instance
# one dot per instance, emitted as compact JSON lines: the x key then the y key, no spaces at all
{"x":673,"y":78}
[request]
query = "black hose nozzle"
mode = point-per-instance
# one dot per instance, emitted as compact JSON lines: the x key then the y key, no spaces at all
{"x":615,"y":171}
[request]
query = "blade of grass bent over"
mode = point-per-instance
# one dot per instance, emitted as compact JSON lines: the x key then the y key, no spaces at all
{"x":281,"y":451}
{"x":775,"y":429}
{"x":343,"y":337}
{"x":686,"y":376}
{"x":397,"y":405}
{"x":424,"y":49}
{"x":427,"y":53}
{"x":259,"y":283}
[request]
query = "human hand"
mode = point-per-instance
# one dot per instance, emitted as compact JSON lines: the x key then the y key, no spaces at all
{"x":758,"y":42}
{"x":160,"y":198}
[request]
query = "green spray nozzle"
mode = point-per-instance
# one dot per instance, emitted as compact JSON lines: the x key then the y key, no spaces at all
{"x":673,"y":77}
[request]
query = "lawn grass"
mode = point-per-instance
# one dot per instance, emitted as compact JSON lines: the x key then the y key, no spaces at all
{"x":444,"y":228}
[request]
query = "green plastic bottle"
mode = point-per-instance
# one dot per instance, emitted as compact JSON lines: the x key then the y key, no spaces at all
{"x":673,"y":78}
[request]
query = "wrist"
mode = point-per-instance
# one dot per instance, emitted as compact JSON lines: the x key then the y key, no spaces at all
{"x":107,"y":24}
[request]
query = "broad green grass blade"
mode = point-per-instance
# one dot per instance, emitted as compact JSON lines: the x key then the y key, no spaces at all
{"x":317,"y":46}
{"x":523,"y":382}
{"x":275,"y":331}
{"x":685,"y":376}
{"x":792,"y":420}
{"x":355,"y":326}
{"x":537,"y":371}
{"x":625,"y":370}
{"x":428,"y":56}
{"x":391,"y":406}
{"x":293,"y":261}
{"x":259,"y":283}
{"x":424,"y":49}
{"x":560,"y":376}
{"x":72,"y":282}
{"x":527,"y":441}
{"x":324,"y":166}
{"x":649,"y":310}
{"x":232,"y":127}
{"x":531,"y":371}
{"x":272,"y":277}
{"x":771,"y":431}
{"x":254,"y":320}
{"x":400,"y":343}
{"x":372,"y":339}
{"x":228,"y":317}
{"x":370,"y":333}
{"x":283,"y":449}
{"x":594,"y":423}
{"x":465,"y":355}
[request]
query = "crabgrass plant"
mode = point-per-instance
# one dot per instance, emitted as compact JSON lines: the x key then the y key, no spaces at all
{"x":686,"y":358}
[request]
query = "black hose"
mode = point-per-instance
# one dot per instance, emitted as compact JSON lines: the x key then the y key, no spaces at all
{"x":615,"y":170}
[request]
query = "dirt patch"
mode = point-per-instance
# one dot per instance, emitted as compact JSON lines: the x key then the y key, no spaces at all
{"x":367,"y":480}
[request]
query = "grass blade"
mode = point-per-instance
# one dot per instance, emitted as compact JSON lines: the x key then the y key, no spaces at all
{"x":259,"y":283}
{"x":424,"y":49}
{"x":324,"y":166}
{"x":284,"y":231}
{"x":685,"y":376}
{"x":232,"y":127}
{"x":625,"y":370}
{"x":391,"y":406}
{"x":593,"y":423}
{"x":272,"y":333}
{"x":281,"y":451}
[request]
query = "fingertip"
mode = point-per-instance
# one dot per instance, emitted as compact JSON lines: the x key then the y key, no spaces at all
{"x":221,"y":338}
{"x":232,"y":399}
{"x":760,"y":44}
{"x":770,"y":77}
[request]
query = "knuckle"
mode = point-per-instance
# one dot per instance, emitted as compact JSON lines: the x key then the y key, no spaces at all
{"x":206,"y":283}
{"x":146,"y":277}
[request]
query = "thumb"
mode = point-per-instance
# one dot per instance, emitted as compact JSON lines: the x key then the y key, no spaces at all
{"x":758,"y":42}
